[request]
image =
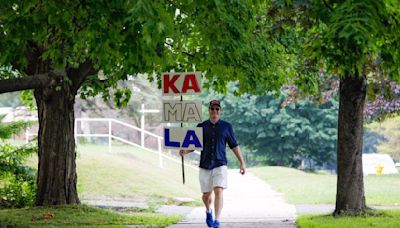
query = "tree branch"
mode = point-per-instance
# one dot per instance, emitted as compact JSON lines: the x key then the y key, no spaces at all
{"x":79,"y":75}
{"x":29,"y":82}
{"x":327,"y":5}
{"x":183,"y":52}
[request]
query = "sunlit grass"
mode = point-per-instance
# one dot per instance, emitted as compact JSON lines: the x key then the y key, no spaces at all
{"x":320,"y":188}
{"x":298,"y":186}
{"x":130,"y":171}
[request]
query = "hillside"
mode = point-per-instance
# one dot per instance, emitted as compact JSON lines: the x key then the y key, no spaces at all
{"x":130,"y":172}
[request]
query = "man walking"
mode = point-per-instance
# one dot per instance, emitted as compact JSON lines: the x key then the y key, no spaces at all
{"x":213,"y":163}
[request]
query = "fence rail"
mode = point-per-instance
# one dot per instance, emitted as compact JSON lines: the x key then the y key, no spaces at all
{"x":112,"y":122}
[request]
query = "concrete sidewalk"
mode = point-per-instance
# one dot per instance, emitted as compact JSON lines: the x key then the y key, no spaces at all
{"x":248,"y":202}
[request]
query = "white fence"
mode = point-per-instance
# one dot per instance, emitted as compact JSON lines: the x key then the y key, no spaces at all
{"x":79,"y":122}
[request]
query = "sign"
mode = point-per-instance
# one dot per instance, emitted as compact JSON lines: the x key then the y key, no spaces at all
{"x":187,"y":83}
{"x":181,"y":111}
{"x":183,"y":138}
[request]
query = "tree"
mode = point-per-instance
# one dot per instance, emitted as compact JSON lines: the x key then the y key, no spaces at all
{"x":385,"y":104}
{"x":277,"y":132}
{"x":356,"y":40}
{"x":59,"y":48}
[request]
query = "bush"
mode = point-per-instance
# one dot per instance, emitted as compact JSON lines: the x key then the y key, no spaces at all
{"x":19,"y":181}
{"x":17,"y":194}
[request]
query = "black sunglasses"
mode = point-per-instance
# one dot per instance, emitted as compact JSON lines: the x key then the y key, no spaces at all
{"x":212,"y":109}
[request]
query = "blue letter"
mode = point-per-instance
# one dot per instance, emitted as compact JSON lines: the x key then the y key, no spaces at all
{"x":166,"y":139}
{"x":188,"y":140}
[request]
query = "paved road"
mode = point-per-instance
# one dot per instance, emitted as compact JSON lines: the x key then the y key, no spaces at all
{"x":248,"y":202}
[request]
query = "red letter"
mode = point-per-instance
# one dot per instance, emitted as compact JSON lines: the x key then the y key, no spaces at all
{"x":190,"y":78}
{"x":170,"y":83}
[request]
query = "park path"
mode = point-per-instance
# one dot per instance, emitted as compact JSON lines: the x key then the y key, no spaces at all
{"x":248,"y":202}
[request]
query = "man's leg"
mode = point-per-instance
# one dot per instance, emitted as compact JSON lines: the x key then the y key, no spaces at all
{"x":218,"y":191}
{"x":207,"y":200}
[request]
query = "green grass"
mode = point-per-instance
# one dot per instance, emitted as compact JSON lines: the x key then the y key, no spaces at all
{"x":299,"y":187}
{"x":78,"y":216}
{"x":382,"y":190}
{"x":320,"y":188}
{"x":131,"y":171}
{"x":377,"y":219}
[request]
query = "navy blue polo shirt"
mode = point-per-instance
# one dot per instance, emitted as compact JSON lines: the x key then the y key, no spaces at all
{"x":215,"y":138}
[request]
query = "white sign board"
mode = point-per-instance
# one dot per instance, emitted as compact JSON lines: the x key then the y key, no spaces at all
{"x":187,"y":83}
{"x":371,"y":161}
{"x":183,"y":138}
{"x":181,"y":111}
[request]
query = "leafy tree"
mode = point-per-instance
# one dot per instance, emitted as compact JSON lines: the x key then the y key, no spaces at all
{"x":385,"y":104}
{"x":371,"y":140}
{"x":278,"y":133}
{"x":358,"y":41}
{"x":60,"y":48}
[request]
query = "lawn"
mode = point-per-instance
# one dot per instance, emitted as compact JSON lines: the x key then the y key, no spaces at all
{"x":320,"y":188}
{"x":375,"y":219}
{"x":78,"y":216}
{"x":130,"y":171}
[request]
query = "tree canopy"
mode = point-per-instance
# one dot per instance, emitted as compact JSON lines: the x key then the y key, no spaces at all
{"x":60,"y":49}
{"x":123,"y":38}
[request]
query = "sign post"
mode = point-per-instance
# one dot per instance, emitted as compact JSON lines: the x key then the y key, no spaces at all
{"x":175,"y":111}
{"x":183,"y":159}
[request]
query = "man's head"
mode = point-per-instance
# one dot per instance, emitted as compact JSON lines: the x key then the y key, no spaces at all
{"x":214,"y":110}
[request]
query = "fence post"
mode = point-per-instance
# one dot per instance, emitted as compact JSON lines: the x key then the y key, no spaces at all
{"x":27,"y":135}
{"x":109,"y":135}
{"x":160,"y":152}
{"x":75,"y":131}
{"x":142,"y":127}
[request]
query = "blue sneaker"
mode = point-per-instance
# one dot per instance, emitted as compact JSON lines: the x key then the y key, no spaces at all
{"x":209,"y":219}
{"x":216,"y":224}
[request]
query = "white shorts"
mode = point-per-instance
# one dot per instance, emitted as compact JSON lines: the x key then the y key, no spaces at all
{"x":210,"y":178}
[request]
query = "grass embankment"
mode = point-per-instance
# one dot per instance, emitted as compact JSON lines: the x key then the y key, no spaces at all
{"x":301,"y":187}
{"x":78,"y":216}
{"x":131,"y":171}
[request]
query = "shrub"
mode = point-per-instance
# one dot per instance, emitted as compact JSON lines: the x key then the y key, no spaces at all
{"x":19,"y":181}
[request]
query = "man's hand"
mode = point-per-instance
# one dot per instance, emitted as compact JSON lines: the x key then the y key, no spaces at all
{"x":183,"y":152}
{"x":242,"y":169}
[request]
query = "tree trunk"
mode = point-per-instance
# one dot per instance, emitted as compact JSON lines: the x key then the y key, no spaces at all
{"x":350,"y":198}
{"x":57,"y":179}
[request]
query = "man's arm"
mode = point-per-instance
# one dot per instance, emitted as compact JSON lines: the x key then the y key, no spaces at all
{"x":236,"y":150}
